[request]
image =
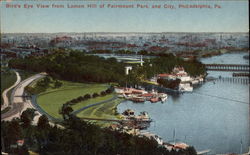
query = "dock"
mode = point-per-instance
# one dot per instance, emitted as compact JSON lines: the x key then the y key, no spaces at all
{"x":203,"y":152}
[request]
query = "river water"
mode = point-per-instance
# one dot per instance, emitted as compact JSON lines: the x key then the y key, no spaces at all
{"x":214,"y":116}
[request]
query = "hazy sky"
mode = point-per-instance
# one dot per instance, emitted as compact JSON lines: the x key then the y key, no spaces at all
{"x":231,"y":17}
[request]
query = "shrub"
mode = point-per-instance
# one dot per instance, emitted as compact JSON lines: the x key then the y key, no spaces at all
{"x":57,"y":84}
{"x":95,"y":95}
{"x":103,"y":93}
{"x":87,"y":96}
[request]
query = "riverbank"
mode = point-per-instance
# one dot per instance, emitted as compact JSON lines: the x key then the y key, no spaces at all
{"x":206,"y":118}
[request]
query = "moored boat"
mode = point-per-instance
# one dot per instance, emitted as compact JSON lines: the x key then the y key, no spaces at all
{"x":137,"y":99}
{"x":163,"y":97}
{"x":154,"y":99}
{"x":143,"y":116}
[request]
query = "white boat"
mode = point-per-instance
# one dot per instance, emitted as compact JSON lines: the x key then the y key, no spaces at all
{"x":185,"y":87}
{"x":201,"y":79}
{"x":195,"y":81}
{"x":163,"y":97}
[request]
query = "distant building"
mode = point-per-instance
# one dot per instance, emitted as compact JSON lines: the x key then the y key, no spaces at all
{"x":128,"y":69}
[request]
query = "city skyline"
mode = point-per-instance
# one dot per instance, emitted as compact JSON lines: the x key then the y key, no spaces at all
{"x":232,"y":17}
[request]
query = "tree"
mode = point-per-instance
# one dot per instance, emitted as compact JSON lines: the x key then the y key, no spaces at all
{"x":74,"y":101}
{"x":26,"y":121}
{"x":109,"y":90}
{"x":65,"y":111}
{"x":103,"y":93}
{"x":27,"y":116}
{"x":43,"y":122}
{"x":13,"y":131}
{"x":57,"y":84}
{"x":44,"y":82}
{"x":87,"y":96}
{"x":95,"y":95}
{"x":80,"y":98}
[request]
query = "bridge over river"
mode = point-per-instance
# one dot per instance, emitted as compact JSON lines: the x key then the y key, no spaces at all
{"x":227,"y":67}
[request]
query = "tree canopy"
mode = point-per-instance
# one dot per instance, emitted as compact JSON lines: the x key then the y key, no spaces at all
{"x":79,"y":137}
{"x":77,"y":66}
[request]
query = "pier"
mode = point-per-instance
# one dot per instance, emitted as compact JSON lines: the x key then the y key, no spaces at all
{"x":241,"y":75}
{"x":233,"y":80}
{"x":203,"y":152}
{"x":227,"y":67}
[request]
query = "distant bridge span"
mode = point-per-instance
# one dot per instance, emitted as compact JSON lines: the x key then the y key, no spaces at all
{"x":227,"y":67}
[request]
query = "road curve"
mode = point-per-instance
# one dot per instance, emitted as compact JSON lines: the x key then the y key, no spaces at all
{"x":19,"y":103}
{"x":4,"y":94}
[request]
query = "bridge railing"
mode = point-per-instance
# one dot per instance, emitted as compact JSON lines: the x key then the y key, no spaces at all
{"x":227,"y":67}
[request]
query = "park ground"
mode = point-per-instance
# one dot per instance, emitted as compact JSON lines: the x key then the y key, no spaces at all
{"x":52,"y":99}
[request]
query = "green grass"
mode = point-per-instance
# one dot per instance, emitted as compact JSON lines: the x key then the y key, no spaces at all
{"x":8,"y":78}
{"x":105,"y":111}
{"x":91,"y":101}
{"x":52,"y":99}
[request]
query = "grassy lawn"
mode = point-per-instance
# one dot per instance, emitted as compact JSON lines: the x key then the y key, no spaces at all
{"x":91,"y":101}
{"x":52,"y":99}
{"x":7,"y":79}
{"x":105,"y":111}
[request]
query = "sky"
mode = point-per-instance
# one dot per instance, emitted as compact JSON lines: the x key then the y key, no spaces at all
{"x":231,"y":17}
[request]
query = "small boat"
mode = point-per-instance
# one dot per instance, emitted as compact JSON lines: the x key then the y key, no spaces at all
{"x":163,"y":97}
{"x":154,"y":99}
{"x":143,"y":116}
{"x":137,"y":99}
{"x":185,"y":87}
{"x":147,"y":96}
{"x":195,"y":81}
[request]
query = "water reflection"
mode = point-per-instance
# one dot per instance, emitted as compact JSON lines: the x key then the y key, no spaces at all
{"x":212,"y":117}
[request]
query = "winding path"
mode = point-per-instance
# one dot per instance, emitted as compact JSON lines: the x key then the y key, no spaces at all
{"x":18,"y":102}
{"x":4,"y":94}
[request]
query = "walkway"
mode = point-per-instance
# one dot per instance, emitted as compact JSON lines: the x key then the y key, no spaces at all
{"x":4,"y":94}
{"x":18,"y":104}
